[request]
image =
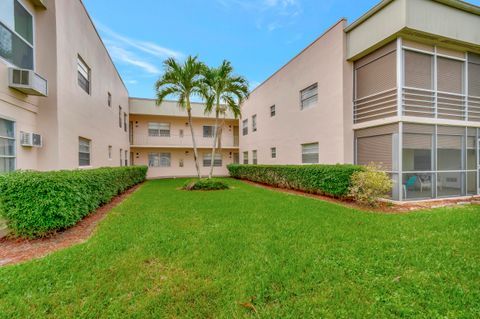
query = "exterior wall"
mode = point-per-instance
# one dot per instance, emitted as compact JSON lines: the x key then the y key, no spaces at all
{"x":81,"y":114}
{"x":323,"y":62}
{"x":180,"y":147}
{"x":63,"y":31}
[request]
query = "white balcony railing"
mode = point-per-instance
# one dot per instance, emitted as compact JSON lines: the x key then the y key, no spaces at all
{"x":181,"y":141}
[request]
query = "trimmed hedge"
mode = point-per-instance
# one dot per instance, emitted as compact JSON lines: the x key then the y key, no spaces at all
{"x":331,"y":180}
{"x":205,"y":184}
{"x":38,"y":203}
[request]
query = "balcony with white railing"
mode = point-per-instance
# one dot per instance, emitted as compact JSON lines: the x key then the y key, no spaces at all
{"x":180,"y":141}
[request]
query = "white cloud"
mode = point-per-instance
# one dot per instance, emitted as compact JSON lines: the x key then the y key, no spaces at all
{"x":128,"y":57}
{"x":270,"y":14}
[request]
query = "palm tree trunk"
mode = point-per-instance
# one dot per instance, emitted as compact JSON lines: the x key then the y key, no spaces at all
{"x":215,"y":134}
{"x":195,"y":153}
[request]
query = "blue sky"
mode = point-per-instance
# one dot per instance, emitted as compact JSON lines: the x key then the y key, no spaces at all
{"x":257,"y":36}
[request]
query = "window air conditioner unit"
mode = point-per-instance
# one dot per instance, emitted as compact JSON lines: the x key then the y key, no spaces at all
{"x":27,"y":81}
{"x":31,"y":139}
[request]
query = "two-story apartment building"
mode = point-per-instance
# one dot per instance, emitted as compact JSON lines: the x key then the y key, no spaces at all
{"x":161,"y":138}
{"x":63,"y":104}
{"x":399,"y":87}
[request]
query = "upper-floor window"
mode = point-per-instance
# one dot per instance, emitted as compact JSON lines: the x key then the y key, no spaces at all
{"x":245,"y":127}
{"x":272,"y":111}
{"x":16,"y":34}
{"x":254,"y":123}
{"x":159,"y":129}
{"x":83,"y":151}
{"x":310,"y":153}
{"x":7,"y":146}
{"x":309,"y":96}
{"x":124,"y":121}
{"x":120,"y":116}
{"x":208,"y":131}
{"x":109,"y":99}
{"x":83,"y":74}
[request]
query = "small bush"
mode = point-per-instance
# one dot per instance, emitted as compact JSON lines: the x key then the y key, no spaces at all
{"x":38,"y":203}
{"x":331,"y":180}
{"x":370,"y":185}
{"x":205,"y":185}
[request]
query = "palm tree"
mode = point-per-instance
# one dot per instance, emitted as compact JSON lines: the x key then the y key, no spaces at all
{"x":183,"y":81}
{"x":223,"y":91}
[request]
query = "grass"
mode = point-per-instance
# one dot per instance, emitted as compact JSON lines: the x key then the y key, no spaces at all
{"x":167,"y":253}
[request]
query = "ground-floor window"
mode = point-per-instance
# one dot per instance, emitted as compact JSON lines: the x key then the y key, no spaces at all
{"x":83,"y":151}
{"x":7,"y":146}
{"x":207,"y":159}
{"x":254,"y":157}
{"x":310,"y":153}
{"x":159,"y":159}
{"x":425,"y":161}
{"x":245,"y":157}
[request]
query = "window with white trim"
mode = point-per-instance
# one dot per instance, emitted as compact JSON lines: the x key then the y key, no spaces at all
{"x":207,"y":158}
{"x":309,"y":96}
{"x":16,"y":34}
{"x":83,"y":71}
{"x":254,"y":157}
{"x":245,"y":127}
{"x":272,"y":111}
{"x":254,"y":123}
{"x":7,"y":146}
{"x":310,"y":153}
{"x":159,"y":159}
{"x":208,"y":131}
{"x":245,"y":157}
{"x":273,"y":152}
{"x":159,"y":129}
{"x":83,"y":151}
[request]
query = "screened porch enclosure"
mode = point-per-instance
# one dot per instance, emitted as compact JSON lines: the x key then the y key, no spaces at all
{"x":424,"y":161}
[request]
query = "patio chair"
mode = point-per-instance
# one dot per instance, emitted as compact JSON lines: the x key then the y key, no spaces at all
{"x":409,"y":184}
{"x":425,"y":182}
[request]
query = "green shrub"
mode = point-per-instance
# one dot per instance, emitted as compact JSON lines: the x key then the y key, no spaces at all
{"x":370,"y":185}
{"x":38,"y":203}
{"x":331,"y":180}
{"x":205,"y":185}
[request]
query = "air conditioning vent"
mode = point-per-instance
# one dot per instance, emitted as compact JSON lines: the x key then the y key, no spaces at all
{"x":27,"y":81}
{"x":30,"y":139}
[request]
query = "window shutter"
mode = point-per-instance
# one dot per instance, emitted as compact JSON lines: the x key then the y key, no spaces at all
{"x":450,"y":75}
{"x":375,"y":149}
{"x":418,"y":70}
{"x":376,"y":76}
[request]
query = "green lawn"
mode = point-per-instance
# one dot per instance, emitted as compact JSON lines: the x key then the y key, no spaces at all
{"x":166,"y":253}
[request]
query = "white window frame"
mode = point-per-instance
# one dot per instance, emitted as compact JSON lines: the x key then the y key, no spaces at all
{"x":80,"y":139}
{"x":245,"y":127}
{"x":313,"y":96}
{"x":158,"y":129}
{"x":14,"y":156}
{"x":160,"y":159}
{"x":208,"y":127}
{"x":217,"y":162}
{"x":81,"y":64}
{"x":245,"y":157}
{"x":254,"y":157}
{"x":304,"y":152}
{"x":5,"y":24}
{"x":273,"y":152}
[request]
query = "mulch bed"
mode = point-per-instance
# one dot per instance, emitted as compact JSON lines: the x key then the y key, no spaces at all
{"x":14,"y":251}
{"x":384,"y":207}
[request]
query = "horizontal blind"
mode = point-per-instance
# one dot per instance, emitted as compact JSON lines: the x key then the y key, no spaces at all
{"x":418,"y":70}
{"x":417,"y":141}
{"x":474,"y":79}
{"x":449,"y":142}
{"x":375,"y":149}
{"x":449,"y":75}
{"x":377,"y":76}
{"x":310,"y":153}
